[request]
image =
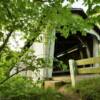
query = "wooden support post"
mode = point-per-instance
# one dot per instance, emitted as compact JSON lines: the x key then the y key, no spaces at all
{"x":81,"y":54}
{"x":72,"y":72}
{"x":95,"y":50}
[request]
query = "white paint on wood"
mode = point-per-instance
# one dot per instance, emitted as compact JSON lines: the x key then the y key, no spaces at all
{"x":93,"y":33}
{"x":44,"y":49}
{"x":95,"y":50}
{"x":38,"y":48}
{"x":72,"y":72}
{"x":49,"y":52}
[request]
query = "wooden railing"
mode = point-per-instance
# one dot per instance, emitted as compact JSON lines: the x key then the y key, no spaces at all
{"x":73,"y":65}
{"x":87,"y":61}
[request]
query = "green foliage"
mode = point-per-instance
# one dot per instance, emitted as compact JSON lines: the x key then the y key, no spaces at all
{"x":15,"y":86}
{"x":89,"y":89}
{"x":57,"y":19}
{"x":93,"y":10}
{"x":32,"y":62}
{"x":33,"y":17}
{"x":60,"y":64}
{"x":22,"y":89}
{"x":2,"y":73}
{"x":8,"y":59}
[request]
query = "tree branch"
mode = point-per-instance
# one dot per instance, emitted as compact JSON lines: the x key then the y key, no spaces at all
{"x":25,"y":69}
{"x":6,"y":40}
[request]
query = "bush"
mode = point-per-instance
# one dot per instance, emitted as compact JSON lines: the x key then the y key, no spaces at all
{"x":89,"y":89}
{"x":16,"y":86}
{"x":20,"y":88}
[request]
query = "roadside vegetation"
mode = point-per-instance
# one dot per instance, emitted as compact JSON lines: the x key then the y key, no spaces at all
{"x":89,"y":89}
{"x":21,"y":88}
{"x":30,"y":18}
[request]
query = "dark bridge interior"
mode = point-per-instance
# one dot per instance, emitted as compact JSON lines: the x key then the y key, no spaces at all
{"x":74,"y":47}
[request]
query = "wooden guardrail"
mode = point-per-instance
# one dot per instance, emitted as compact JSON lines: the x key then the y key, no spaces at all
{"x":88,"y":61}
{"x":73,"y":65}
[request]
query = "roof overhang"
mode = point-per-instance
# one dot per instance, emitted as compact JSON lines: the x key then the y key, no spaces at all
{"x":91,"y":31}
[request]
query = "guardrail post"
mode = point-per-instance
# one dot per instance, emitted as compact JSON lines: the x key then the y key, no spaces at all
{"x":72,"y":67}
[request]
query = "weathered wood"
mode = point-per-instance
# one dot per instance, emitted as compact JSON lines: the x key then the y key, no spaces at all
{"x":95,"y":70}
{"x":79,"y":77}
{"x":64,"y":78}
{"x":88,"y":61}
{"x":52,"y":84}
{"x":72,"y":72}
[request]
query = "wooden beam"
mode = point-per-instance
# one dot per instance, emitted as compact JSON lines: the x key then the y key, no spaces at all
{"x":72,"y":72}
{"x":65,"y":78}
{"x":53,"y":84}
{"x":95,"y":70}
{"x":88,"y":61}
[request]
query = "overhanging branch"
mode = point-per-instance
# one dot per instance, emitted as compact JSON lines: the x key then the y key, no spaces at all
{"x":6,"y":40}
{"x":24,"y":69}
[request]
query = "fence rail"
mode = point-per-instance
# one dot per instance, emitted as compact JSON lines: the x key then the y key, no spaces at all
{"x":88,"y":61}
{"x":73,"y":65}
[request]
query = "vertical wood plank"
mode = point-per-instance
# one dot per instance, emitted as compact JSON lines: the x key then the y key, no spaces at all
{"x":95,"y":50}
{"x":72,"y":72}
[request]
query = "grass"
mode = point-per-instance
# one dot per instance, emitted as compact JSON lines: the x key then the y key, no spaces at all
{"x":22,"y":89}
{"x":89,"y":89}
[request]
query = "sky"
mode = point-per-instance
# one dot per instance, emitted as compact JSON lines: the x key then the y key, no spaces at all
{"x":77,"y":4}
{"x":17,"y":42}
